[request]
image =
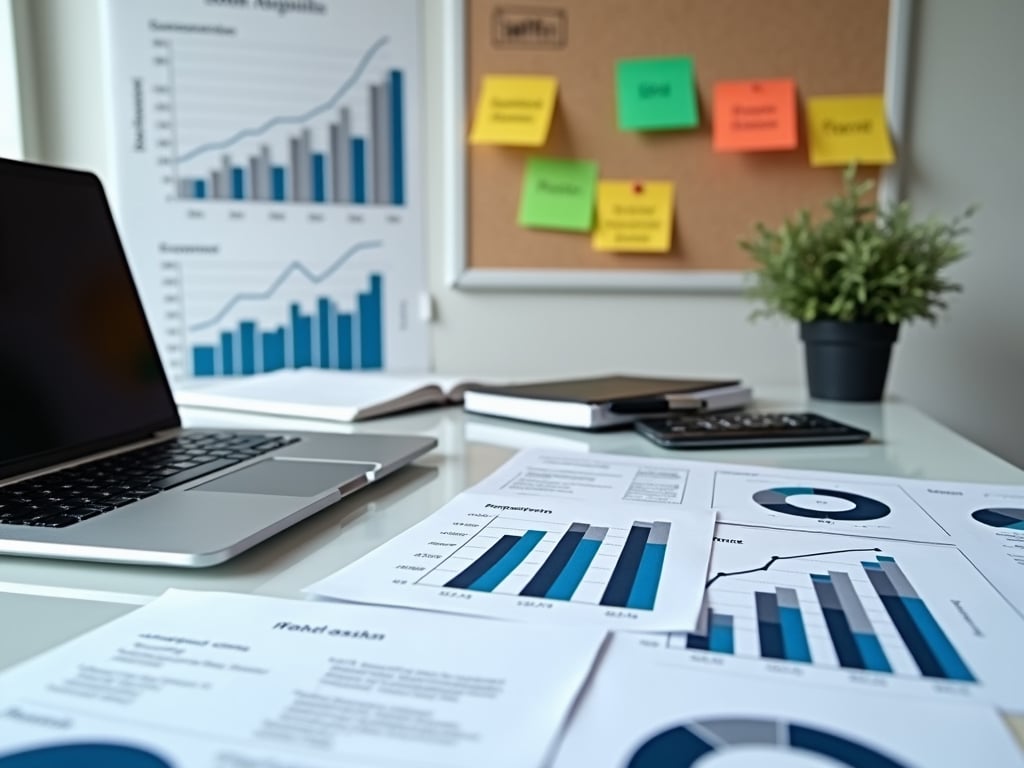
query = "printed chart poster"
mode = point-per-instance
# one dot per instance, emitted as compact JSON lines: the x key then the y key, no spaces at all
{"x":268,"y":177}
{"x":645,"y":709}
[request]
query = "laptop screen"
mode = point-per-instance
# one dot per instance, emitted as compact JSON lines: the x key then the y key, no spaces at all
{"x":79,"y":371}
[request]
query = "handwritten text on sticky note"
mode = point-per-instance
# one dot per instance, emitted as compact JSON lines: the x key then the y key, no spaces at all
{"x":754,"y":115}
{"x":846,"y":129}
{"x":514,"y":110}
{"x":558,"y":194}
{"x":634,"y":216}
{"x":656,"y":94}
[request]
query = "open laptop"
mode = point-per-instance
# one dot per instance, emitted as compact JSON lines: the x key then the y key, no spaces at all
{"x":94,"y":464}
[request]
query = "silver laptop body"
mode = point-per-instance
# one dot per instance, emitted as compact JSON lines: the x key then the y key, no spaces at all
{"x":81,"y":381}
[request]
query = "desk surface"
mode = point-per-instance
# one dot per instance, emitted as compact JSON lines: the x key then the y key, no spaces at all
{"x":51,"y":601}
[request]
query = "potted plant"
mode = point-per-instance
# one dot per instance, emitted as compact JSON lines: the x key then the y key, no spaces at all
{"x":850,"y":280}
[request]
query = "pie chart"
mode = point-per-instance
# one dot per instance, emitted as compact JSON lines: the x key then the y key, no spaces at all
{"x":684,"y":745}
{"x":83,"y":756}
{"x":821,"y":503}
{"x":1000,"y":517}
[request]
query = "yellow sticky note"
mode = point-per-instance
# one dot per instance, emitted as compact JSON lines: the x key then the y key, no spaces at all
{"x":846,"y":129}
{"x":634,"y":216}
{"x":514,"y":110}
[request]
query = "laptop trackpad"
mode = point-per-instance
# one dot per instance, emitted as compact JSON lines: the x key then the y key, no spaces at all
{"x":291,"y":477}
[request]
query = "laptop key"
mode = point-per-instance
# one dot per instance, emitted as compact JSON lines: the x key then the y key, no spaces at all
{"x":185,"y":476}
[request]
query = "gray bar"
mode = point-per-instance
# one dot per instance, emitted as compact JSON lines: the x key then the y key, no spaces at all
{"x":852,"y":607}
{"x":787,"y":598}
{"x":659,"y":533}
{"x":739,"y":731}
{"x":880,"y":581}
{"x":767,"y":607}
{"x":295,"y":155}
{"x":721,"y":620}
{"x":265,"y":181}
{"x":827,"y":596}
{"x":186,"y":188}
{"x":578,"y":528}
{"x":595,"y":533}
{"x":380,"y":110}
{"x":215,"y":185}
{"x":343,"y":160}
{"x":306,"y":162}
{"x":226,"y":179}
{"x":899,"y":581}
{"x":254,"y":179}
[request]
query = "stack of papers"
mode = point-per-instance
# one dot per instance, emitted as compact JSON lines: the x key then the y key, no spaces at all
{"x":762,"y":614}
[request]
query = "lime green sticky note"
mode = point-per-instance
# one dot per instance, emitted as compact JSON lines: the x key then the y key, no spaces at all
{"x":656,"y":94}
{"x":558,"y":194}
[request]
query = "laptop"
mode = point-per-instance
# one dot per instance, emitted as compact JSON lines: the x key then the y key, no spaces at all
{"x":94,"y":463}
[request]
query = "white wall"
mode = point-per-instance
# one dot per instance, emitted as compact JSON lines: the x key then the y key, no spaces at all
{"x":965,"y":372}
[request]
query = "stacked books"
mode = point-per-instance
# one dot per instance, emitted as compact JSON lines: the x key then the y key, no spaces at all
{"x":605,"y":401}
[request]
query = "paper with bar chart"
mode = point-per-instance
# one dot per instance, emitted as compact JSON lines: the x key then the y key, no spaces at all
{"x":647,"y":709}
{"x":852,"y":611}
{"x":547,"y":560}
{"x":267,"y":182}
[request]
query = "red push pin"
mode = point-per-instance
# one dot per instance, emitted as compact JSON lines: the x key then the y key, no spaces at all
{"x":638,"y":188}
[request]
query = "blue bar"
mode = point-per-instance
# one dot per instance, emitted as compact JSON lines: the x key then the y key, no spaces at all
{"x":203,"y":361}
{"x":319,"y":190}
{"x":358,"y":170}
{"x":942,"y":649}
{"x":648,"y":576}
{"x":555,"y":563}
{"x":571,"y":576}
{"x":720,"y":636}
{"x":345,"y":341}
{"x":324,"y":312}
{"x":872,"y":653}
{"x":199,"y":189}
{"x":397,"y":144}
{"x":512,"y":559}
{"x":277,"y":182}
{"x":794,"y":637}
{"x":238,"y":183}
{"x":483,"y":564}
{"x":273,"y":350}
{"x":302,"y":338}
{"x":247,"y":332}
{"x":371,"y":330}
{"x":620,"y":585}
{"x":227,"y":346}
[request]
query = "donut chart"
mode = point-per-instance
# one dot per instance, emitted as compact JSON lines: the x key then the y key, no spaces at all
{"x":684,"y":745}
{"x":1000,"y":517}
{"x":83,"y":756}
{"x":850,"y":506}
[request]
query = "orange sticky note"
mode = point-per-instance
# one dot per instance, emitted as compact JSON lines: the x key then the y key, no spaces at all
{"x":634,"y":216}
{"x":754,"y":115}
{"x":848,"y":129}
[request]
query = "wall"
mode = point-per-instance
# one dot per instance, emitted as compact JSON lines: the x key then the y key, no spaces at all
{"x":966,"y":371}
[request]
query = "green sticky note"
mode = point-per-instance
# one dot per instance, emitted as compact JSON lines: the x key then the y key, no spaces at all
{"x":558,"y":194}
{"x":656,"y":94}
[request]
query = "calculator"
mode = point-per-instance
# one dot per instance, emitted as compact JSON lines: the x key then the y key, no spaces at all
{"x":743,"y":429}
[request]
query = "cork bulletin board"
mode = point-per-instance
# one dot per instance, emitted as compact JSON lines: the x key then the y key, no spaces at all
{"x":829,"y":47}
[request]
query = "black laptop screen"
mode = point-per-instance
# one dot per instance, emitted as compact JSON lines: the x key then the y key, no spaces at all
{"x":78,"y":367}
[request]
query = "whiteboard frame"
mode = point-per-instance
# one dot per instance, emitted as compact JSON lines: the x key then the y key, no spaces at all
{"x":453,"y":102}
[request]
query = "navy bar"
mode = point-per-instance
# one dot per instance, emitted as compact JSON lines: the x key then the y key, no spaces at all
{"x":482,"y":564}
{"x":769,"y":628}
{"x":624,"y":574}
{"x":545,"y":577}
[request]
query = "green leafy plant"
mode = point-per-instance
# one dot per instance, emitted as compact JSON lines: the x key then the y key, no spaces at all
{"x":862,"y":262}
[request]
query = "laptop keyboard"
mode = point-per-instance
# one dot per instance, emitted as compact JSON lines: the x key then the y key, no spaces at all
{"x":78,"y":493}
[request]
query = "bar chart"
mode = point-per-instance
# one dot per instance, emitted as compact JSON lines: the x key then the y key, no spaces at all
{"x":631,"y":583}
{"x":334,"y":165}
{"x":328,"y":338}
{"x":832,"y":604}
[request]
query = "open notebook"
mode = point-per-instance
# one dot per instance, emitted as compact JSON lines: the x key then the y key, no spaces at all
{"x":313,"y":393}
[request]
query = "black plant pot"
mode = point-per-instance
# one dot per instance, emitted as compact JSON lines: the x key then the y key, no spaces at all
{"x":847,"y":361}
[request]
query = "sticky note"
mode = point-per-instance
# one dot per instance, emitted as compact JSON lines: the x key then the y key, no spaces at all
{"x":634,"y":216}
{"x":514,"y":110}
{"x":754,"y":115}
{"x":846,"y":129}
{"x":558,"y":194}
{"x":656,"y":94}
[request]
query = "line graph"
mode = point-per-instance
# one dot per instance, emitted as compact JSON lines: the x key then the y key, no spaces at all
{"x":294,"y":267}
{"x":778,"y":558}
{"x":319,"y":109}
